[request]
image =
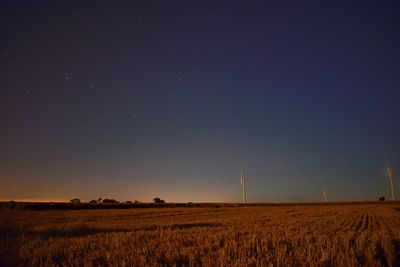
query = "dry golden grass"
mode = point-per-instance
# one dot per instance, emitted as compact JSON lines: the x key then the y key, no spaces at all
{"x":350,"y":235}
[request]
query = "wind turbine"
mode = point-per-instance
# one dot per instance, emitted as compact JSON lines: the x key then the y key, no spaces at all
{"x":389,"y":175}
{"x":243,"y":184}
{"x":324,"y":195}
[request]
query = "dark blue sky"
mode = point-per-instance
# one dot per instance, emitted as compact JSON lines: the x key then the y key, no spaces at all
{"x":171,"y":98}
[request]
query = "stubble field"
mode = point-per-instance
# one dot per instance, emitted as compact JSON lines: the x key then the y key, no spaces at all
{"x":334,"y":235}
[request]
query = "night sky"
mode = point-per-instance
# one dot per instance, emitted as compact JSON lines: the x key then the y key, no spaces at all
{"x":140,"y":99}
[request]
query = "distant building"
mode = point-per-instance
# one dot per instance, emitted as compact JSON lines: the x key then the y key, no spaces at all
{"x":157,"y":200}
{"x":75,"y":201}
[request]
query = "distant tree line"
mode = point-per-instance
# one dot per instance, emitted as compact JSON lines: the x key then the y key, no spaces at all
{"x":156,"y":200}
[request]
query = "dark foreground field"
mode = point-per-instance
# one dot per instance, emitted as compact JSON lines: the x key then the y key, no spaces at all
{"x":334,"y":235}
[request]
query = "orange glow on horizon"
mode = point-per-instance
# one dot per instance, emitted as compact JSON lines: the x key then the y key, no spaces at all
{"x":34,"y":200}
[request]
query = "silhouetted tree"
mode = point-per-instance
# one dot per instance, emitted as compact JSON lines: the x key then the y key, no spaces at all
{"x":93,"y":201}
{"x":158,"y":200}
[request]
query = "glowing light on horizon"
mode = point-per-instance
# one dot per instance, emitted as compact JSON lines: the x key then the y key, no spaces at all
{"x":34,"y":200}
